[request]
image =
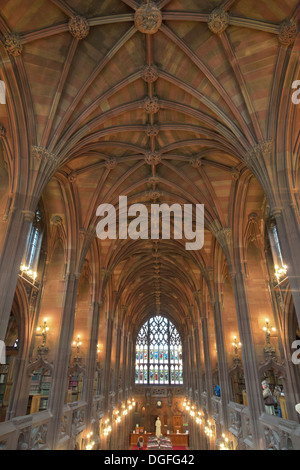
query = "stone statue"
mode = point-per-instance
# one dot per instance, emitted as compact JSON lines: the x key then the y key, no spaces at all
{"x":158,"y":428}
{"x":268,"y":398}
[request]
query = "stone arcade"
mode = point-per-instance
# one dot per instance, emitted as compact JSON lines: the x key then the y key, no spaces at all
{"x":165,"y":102}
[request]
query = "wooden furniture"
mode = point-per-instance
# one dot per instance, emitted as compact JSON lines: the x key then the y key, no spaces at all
{"x":282,"y":404}
{"x":34,"y":404}
{"x":177,"y":424}
{"x":178,"y":440}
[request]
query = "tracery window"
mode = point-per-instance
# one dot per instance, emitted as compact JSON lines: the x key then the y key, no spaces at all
{"x":158,"y":353}
{"x":34,"y":243}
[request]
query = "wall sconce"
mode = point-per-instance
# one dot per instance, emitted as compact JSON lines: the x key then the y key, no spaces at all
{"x":90,"y":444}
{"x":99,"y":348}
{"x":268,"y":330}
{"x":77,"y":344}
{"x":107,"y":428}
{"x":225,"y":444}
{"x":42,"y":331}
{"x":209,"y":429}
{"x":280,"y":272}
{"x":28,"y":272}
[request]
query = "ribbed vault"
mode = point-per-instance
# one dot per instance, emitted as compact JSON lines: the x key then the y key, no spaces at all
{"x":169,"y":116}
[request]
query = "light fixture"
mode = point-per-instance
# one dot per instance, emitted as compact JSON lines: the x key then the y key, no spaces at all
{"x":225,"y":444}
{"x":42,"y":331}
{"x":268,"y":330}
{"x":280,"y":272}
{"x":237,"y":346}
{"x":25,"y":269}
{"x":90,"y":444}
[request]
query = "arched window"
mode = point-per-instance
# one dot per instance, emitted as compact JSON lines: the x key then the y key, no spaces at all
{"x":34,"y":242}
{"x":279,"y":265}
{"x":158,"y":354}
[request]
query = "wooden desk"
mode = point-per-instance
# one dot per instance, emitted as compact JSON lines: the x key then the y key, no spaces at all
{"x":178,"y":440}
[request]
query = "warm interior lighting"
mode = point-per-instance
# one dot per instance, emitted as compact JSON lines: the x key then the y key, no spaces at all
{"x":280,"y":272}
{"x":28,"y":272}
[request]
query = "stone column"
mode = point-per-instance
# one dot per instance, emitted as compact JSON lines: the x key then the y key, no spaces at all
{"x":10,"y":262}
{"x":124,"y":362}
{"x":198,"y":361}
{"x":92,"y":360}
{"x":289,"y":238}
{"x":253,"y":385}
{"x":60,"y":372}
{"x":222,"y":362}
{"x":117,"y":363}
{"x":193,"y":381}
{"x":107,"y":364}
{"x":207,"y":363}
{"x":186,"y":365}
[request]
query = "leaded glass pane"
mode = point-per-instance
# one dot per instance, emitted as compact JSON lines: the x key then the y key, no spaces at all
{"x":158,"y":353}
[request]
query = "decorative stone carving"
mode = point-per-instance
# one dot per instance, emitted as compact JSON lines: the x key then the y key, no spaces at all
{"x":261,"y":150}
{"x":148,"y":18}
{"x":150,"y":73}
{"x":2,"y":131}
{"x":153,"y":180}
{"x":151,"y":105}
{"x":152,"y":131}
{"x":56,"y":220}
{"x":218,"y":21}
{"x":111,"y":163}
{"x":288,"y":32}
{"x":235,"y":173}
{"x":41,"y":153}
{"x":39,"y":437}
{"x":154,"y":195}
{"x":72,"y":177}
{"x":153,"y":158}
{"x":79,"y":27}
{"x":13,"y":44}
{"x":196,"y":162}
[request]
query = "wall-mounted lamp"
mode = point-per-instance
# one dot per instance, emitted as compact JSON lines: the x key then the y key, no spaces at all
{"x":269,"y":350}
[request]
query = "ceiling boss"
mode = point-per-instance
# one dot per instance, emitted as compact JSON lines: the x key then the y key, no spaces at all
{"x":148,"y":18}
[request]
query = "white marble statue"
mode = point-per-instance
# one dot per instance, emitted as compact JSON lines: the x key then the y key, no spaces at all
{"x":158,"y":428}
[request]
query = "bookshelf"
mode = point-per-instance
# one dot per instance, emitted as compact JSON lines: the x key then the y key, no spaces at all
{"x":6,"y":380}
{"x":39,"y":391}
{"x":75,"y":387}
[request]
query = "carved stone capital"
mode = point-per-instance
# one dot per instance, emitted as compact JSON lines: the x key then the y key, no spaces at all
{"x":13,"y":44}
{"x":287,"y":33}
{"x":218,"y":21}
{"x":148,"y":18}
{"x":42,"y":154}
{"x":79,"y":27}
{"x":56,"y":220}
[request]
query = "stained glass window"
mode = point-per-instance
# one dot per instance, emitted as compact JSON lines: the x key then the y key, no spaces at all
{"x":158,"y":353}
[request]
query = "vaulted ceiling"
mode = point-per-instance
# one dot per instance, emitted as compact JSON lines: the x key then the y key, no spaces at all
{"x":158,"y":101}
